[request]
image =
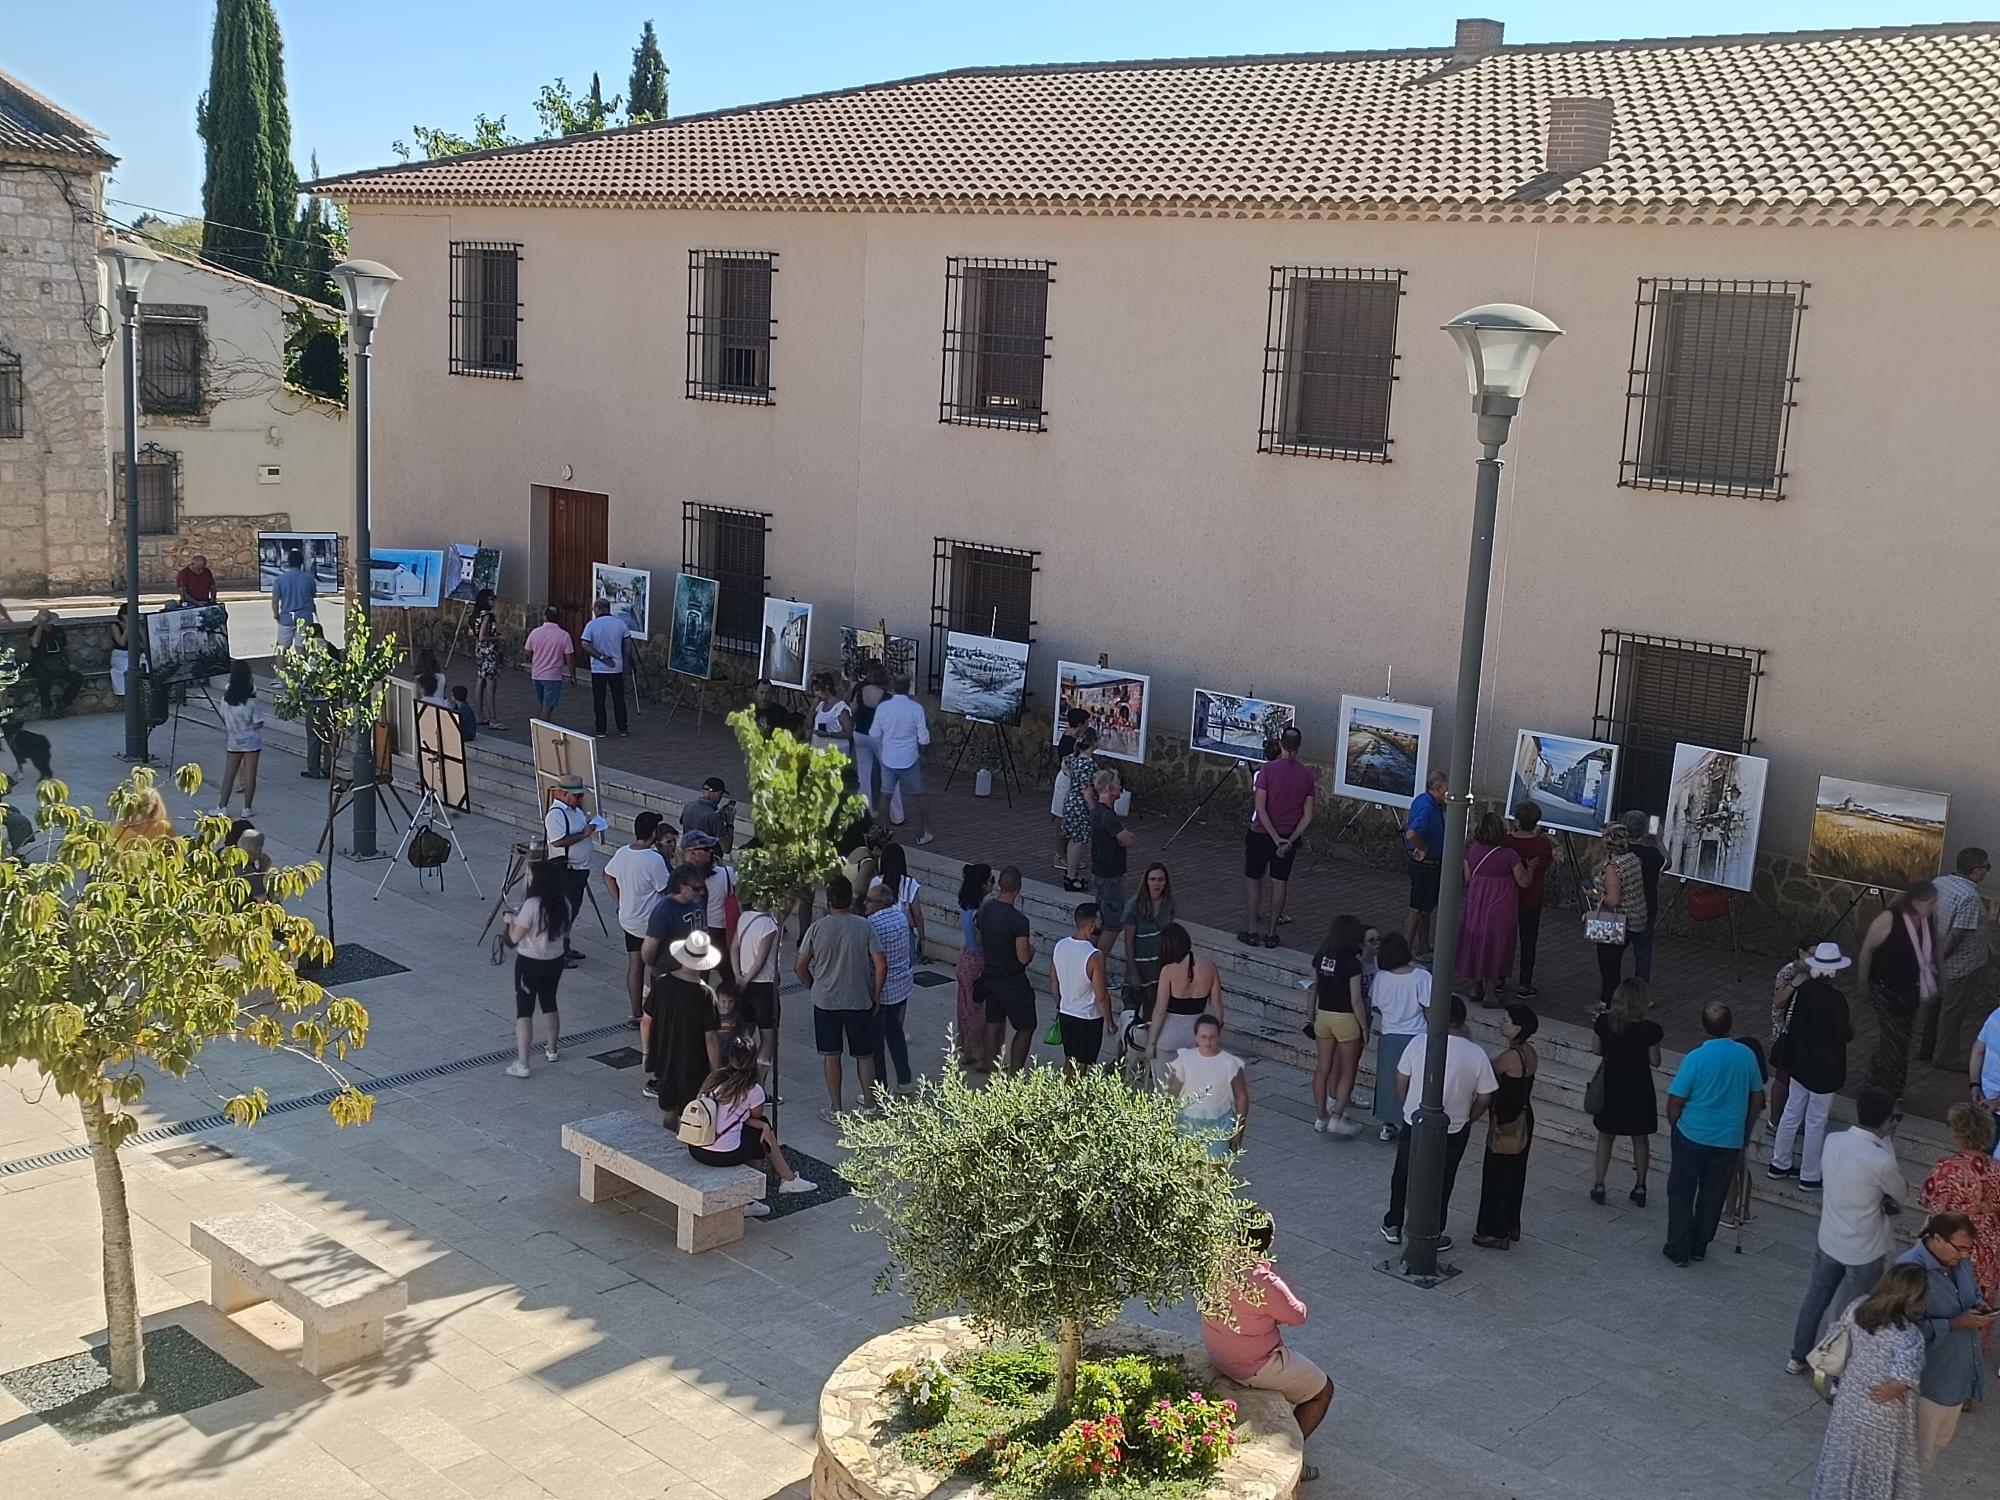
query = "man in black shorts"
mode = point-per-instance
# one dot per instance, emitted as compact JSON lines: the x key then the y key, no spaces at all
{"x":1423,"y":836}
{"x":1283,"y":810}
{"x":841,"y":961}
{"x":1007,"y":942}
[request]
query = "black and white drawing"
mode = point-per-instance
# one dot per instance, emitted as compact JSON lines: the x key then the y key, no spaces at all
{"x":189,"y":645}
{"x":985,"y":677}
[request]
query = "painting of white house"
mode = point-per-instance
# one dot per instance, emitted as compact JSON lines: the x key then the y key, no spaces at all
{"x":787,"y":643}
{"x":1570,"y":780}
{"x":629,"y":591}
{"x":1236,"y":724}
{"x":1715,"y":811}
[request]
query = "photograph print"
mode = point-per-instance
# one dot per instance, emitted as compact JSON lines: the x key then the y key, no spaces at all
{"x":1887,"y":837}
{"x":1715,"y":811}
{"x":189,"y":645}
{"x":984,"y":677}
{"x":629,"y":591}
{"x":1382,"y":750}
{"x":860,"y":648}
{"x":319,"y":550}
{"x":1116,"y":702}
{"x":786,"y":643}
{"x":691,"y":639}
{"x":1570,"y":780}
{"x":1235,"y":726}
{"x":468,"y":568}
{"x":405,"y":579}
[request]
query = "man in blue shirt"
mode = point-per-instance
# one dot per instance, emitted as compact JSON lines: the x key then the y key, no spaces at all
{"x":1423,"y":836}
{"x":1718,"y":1091}
{"x":1953,"y":1321}
{"x":292,"y":594}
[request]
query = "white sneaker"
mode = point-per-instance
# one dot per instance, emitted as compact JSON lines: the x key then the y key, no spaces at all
{"x":1343,"y":1127}
{"x":517,"y":1069}
{"x":1795,"y":1367}
{"x":929,"y":838}
{"x":550,"y":1053}
{"x":798,"y":1185}
{"x":1320,"y":1125}
{"x":758,"y":1210}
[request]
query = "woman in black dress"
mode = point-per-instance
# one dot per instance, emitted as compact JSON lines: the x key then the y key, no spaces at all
{"x":686,"y":1032}
{"x":1630,"y":1047}
{"x":1510,"y":1131}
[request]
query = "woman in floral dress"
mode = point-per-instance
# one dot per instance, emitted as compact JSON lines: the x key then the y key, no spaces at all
{"x":1870,"y":1451}
{"x":1968,"y":1182}
{"x":1082,"y":769}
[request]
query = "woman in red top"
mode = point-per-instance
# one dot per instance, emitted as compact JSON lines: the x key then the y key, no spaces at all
{"x":1537,"y":854}
{"x":1245,"y":1345}
{"x":1968,"y":1182}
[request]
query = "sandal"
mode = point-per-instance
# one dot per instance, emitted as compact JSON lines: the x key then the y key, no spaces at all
{"x":1597,"y":1195}
{"x":1308,"y":1473}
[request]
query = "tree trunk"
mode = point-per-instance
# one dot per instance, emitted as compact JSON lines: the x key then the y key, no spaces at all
{"x":1069,"y":1348}
{"x":121,"y":1291}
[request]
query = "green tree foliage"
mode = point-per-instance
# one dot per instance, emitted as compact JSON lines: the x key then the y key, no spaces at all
{"x":249,"y":197}
{"x":315,"y":357}
{"x":646,"y":92}
{"x":797,"y":800}
{"x":488,"y":134}
{"x":121,"y":954}
{"x":338,"y":693}
{"x":1042,"y":1203}
{"x":180,"y":237}
{"x":561,"y":113}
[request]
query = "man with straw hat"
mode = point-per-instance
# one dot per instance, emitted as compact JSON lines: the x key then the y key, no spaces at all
{"x":568,"y":829}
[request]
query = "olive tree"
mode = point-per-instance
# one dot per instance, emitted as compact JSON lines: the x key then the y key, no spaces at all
{"x":120,"y":954}
{"x":1041,"y":1203}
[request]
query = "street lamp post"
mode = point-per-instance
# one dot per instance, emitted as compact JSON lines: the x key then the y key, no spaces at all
{"x":1501,"y":343}
{"x":128,"y":264}
{"x":364,"y":287}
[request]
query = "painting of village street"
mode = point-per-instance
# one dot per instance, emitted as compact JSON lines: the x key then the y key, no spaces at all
{"x":1887,"y":837}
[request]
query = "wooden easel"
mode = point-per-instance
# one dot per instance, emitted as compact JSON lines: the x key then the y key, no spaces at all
{"x":464,"y":613}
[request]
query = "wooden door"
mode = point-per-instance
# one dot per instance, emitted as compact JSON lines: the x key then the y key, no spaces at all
{"x":578,"y":530}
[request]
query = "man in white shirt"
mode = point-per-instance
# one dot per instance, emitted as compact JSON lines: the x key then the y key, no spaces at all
{"x":903,"y":731}
{"x":604,"y":641}
{"x":1859,"y":1181}
{"x":568,"y":829}
{"x":636,"y":876}
{"x":1077,"y":985}
{"x":1469,"y":1087}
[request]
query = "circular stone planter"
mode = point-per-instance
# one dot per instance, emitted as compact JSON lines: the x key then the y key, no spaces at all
{"x":859,"y":1460}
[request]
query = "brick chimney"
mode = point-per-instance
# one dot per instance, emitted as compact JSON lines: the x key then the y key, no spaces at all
{"x":1476,"y":38}
{"x":1579,"y":134}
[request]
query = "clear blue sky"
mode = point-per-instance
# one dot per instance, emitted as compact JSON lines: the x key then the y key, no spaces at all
{"x":361,"y":72}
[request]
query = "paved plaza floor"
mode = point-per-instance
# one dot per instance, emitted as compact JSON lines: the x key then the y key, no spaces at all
{"x":553,"y":1347}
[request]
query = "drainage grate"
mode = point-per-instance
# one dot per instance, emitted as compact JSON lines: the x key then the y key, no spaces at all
{"x":308,"y":1101}
{"x":193,"y":1155}
{"x":926,"y":979}
{"x":353,"y":963}
{"x":619,"y":1057}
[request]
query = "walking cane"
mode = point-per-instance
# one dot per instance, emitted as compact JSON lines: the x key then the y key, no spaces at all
{"x":1743,"y":1195}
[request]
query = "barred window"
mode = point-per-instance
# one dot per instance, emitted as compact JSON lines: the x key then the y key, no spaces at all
{"x":1710,"y":395}
{"x":13,"y":406}
{"x":486,"y":309}
{"x":1330,"y":362}
{"x":727,"y":545}
{"x":1655,"y":692}
{"x":171,"y":346}
{"x":996,"y":342}
{"x":159,"y":490}
{"x":979,"y":590}
{"x":730,"y":327}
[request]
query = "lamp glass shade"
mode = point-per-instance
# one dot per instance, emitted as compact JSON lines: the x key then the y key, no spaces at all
{"x":364,"y":286}
{"x":1501,"y":343}
{"x":129,"y":263}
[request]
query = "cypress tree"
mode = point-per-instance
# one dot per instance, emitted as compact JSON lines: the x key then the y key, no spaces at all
{"x":249,"y":196}
{"x":646,"y":99}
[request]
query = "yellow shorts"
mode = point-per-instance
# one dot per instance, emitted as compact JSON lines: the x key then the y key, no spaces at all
{"x":1336,"y":1025}
{"x":1292,"y":1376}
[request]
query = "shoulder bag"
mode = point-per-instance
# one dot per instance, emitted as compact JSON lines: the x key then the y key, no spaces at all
{"x":1828,"y":1359}
{"x":1509,"y":1137}
{"x":1593,"y":1092}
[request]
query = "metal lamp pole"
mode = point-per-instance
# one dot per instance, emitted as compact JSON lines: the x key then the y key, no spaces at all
{"x":364,"y":286}
{"x":129,"y":263}
{"x":1501,"y":343}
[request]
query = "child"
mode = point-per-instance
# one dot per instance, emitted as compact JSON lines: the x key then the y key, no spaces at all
{"x":468,"y":721}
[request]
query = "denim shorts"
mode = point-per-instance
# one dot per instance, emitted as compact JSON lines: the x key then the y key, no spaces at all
{"x":909,"y":778}
{"x":548,"y":691}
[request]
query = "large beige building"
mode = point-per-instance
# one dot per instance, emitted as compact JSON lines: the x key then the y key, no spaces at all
{"x":1143,"y":359}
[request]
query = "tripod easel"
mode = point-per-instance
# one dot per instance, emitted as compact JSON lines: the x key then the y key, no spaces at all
{"x":178,"y":696}
{"x":432,"y":809}
{"x":431,"y":812}
{"x":465,"y":613}
{"x":1002,"y":746}
{"x":1863,"y":893}
{"x":686,"y":687}
{"x":1354,"y":818}
{"x":1227,"y":778}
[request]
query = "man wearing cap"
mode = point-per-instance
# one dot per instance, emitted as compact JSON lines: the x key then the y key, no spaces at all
{"x":704,"y":853}
{"x":1812,"y":1048}
{"x":636,"y":876}
{"x":707,"y":813}
{"x":568,"y":829}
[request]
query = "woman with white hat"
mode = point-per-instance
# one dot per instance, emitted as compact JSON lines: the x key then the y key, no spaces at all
{"x":1812,"y":1047}
{"x":690,"y":1031}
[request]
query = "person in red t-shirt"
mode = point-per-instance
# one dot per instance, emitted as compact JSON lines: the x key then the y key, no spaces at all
{"x":1284,"y":796}
{"x":1245,"y":1346}
{"x":196,"y":583}
{"x":1526,"y":839}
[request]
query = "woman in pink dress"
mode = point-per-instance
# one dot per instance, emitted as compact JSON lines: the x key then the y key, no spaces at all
{"x":1495,"y":876}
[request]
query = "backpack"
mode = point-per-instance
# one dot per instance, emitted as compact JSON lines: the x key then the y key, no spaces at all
{"x":732,"y":909}
{"x":428,"y":849}
{"x":697,"y":1127}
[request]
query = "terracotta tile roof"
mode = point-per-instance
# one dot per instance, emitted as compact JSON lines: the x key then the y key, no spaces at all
{"x":34,"y":128}
{"x":1895,"y":122}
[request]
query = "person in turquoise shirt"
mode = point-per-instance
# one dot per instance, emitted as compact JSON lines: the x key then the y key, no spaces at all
{"x":1954,"y":1318}
{"x":1718,"y":1091}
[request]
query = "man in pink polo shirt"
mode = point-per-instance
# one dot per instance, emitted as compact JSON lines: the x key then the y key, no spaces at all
{"x":1245,"y":1345}
{"x":1283,"y":798}
{"x":549,"y":653}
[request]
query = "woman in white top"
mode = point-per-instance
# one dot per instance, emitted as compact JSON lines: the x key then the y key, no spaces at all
{"x":1214,"y":1095}
{"x":1083,"y":999}
{"x":833,"y":719}
{"x":1399,"y":996}
{"x":743,"y":1137}
{"x":755,"y":958}
{"x":243,"y":724}
{"x":539,"y":931}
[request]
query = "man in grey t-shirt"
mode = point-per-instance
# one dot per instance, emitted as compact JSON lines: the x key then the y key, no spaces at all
{"x":292,"y":598}
{"x":841,"y":960}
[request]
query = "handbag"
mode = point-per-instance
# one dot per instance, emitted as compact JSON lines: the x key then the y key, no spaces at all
{"x":1508,"y":1137}
{"x":1593,"y":1092}
{"x":1603,"y":926}
{"x":1828,"y":1358}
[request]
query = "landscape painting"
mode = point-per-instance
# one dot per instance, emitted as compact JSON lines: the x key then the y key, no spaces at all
{"x":1116,"y":701}
{"x":985,"y":677}
{"x":860,"y":648}
{"x":188,"y":645}
{"x":691,"y":637}
{"x":319,"y":549}
{"x":1887,"y":837}
{"x":1238,"y":727}
{"x":1382,"y":750}
{"x":1570,"y":780}
{"x":405,"y":579}
{"x":629,"y":591}
{"x":1715,"y":812}
{"x":787,"y":643}
{"x":468,"y":568}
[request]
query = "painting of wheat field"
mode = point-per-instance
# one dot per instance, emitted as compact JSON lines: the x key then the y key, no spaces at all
{"x":1887,"y":837}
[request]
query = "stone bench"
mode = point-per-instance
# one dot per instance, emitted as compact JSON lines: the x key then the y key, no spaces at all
{"x":625,"y":1150}
{"x":337,"y":1293}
